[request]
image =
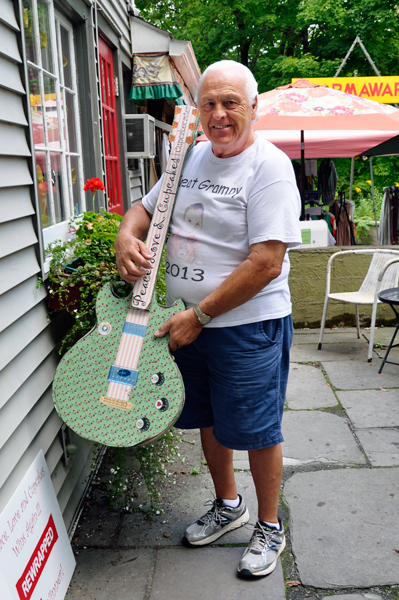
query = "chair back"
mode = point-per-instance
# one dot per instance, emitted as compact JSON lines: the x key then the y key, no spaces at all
{"x":378,"y":262}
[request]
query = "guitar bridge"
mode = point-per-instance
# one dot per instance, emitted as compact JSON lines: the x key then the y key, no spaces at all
{"x":115,"y":403}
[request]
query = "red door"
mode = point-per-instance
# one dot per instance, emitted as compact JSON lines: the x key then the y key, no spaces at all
{"x":111,"y":141}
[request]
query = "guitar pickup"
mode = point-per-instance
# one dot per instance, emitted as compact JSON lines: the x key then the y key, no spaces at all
{"x":122,"y":375}
{"x":114,"y":403}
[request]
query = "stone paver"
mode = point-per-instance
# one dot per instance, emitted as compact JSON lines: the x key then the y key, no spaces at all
{"x":334,"y":336}
{"x":381,"y":446}
{"x":382,"y":335}
{"x":353,"y":597}
{"x":319,"y":437}
{"x":371,"y":408}
{"x":206,"y":573}
{"x":307,"y":388}
{"x":187,"y":505}
{"x":343,"y":525}
{"x":355,"y":349}
{"x":360,"y":375}
{"x":240,"y":460}
{"x":110,"y":574}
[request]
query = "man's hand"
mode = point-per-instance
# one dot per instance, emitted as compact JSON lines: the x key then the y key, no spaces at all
{"x":132,"y":257}
{"x":183,"y":329}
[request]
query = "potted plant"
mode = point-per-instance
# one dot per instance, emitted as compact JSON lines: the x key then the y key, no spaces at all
{"x":80,"y":267}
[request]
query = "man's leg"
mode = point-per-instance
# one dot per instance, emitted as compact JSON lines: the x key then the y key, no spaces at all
{"x":268,"y":540}
{"x":267,"y":469}
{"x":220,"y":463}
{"x":222,"y":517}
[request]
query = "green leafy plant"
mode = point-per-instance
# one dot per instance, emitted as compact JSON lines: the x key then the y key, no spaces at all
{"x":127,"y":469}
{"x":80,"y":267}
{"x":364,"y":214}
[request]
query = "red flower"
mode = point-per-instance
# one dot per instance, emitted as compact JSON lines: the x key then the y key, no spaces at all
{"x":93,"y":185}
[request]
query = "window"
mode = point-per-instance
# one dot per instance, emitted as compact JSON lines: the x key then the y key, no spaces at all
{"x":55,"y":116}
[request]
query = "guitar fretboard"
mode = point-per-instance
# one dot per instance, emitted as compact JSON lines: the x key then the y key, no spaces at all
{"x":123,"y":375}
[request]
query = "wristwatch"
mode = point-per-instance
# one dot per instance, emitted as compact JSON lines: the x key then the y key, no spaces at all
{"x":201,"y":316}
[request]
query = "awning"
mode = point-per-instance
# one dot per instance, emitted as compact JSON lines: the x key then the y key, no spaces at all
{"x":153,"y":79}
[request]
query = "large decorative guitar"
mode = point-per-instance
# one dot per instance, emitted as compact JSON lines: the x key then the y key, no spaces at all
{"x":119,"y":384}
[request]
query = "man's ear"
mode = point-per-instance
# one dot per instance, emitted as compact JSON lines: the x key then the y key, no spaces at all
{"x":254,"y":108}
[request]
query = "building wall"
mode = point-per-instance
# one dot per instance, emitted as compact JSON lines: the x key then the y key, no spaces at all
{"x":308,"y":285}
{"x":29,"y":336}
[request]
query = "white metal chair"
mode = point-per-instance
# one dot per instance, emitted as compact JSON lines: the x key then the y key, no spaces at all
{"x":382,"y":274}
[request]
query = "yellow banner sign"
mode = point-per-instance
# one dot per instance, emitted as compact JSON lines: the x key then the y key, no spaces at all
{"x":380,"y":89}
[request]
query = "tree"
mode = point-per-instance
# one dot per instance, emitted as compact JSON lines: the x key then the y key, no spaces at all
{"x":281,"y":39}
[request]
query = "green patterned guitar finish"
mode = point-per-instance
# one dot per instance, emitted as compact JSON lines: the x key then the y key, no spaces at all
{"x":82,"y":379}
{"x":119,"y":385}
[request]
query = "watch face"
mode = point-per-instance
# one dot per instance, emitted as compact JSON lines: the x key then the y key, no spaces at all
{"x":205,"y":319}
{"x":201,"y":316}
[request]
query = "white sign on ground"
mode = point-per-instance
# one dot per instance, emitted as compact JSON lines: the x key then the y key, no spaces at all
{"x":36,"y":559}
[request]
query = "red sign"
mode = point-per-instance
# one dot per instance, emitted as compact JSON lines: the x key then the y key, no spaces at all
{"x":27,"y":583}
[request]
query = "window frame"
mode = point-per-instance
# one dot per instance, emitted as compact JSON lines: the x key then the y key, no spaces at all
{"x":60,"y":230}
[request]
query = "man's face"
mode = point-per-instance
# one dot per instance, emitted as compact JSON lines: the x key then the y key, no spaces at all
{"x":226,"y":115}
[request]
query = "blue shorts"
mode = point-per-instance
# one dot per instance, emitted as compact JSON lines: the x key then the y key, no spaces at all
{"x":235,"y":379}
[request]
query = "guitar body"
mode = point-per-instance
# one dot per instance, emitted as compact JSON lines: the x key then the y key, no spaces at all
{"x":82,"y":379}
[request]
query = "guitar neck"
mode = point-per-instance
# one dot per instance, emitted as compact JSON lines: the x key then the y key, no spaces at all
{"x":184,"y":132}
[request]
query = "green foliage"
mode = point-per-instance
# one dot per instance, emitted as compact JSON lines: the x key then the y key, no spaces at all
{"x":385,"y":169}
{"x":126,"y":475}
{"x":86,"y":261}
{"x":280,"y":39}
{"x":364,"y":215}
{"x":154,"y":459}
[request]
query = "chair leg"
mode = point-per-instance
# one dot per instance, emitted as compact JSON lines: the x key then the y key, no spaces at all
{"x":357,"y":320}
{"x":372,"y":329}
{"x":323,"y":323}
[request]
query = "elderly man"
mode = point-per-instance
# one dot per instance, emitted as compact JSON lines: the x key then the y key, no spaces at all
{"x":236,"y":214}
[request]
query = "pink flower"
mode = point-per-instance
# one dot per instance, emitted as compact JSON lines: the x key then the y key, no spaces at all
{"x":340,"y":111}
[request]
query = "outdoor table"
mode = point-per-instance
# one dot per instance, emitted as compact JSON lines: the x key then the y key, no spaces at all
{"x":390,"y":297}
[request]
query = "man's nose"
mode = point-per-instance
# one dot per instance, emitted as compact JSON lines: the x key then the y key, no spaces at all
{"x":219,"y":111}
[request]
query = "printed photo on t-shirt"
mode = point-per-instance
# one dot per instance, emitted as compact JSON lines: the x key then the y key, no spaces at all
{"x":183,"y":243}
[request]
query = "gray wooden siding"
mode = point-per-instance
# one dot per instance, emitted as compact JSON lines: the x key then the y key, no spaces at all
{"x":136,"y":188}
{"x":29,"y":336}
{"x":115,"y":12}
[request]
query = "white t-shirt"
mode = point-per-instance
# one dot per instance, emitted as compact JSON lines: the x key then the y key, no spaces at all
{"x":223,"y":206}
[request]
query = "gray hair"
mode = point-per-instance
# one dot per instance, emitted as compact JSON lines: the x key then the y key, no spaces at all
{"x":251,"y":86}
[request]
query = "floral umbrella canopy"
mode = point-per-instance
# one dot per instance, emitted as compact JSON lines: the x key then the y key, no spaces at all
{"x":306,"y":106}
{"x":303,"y":105}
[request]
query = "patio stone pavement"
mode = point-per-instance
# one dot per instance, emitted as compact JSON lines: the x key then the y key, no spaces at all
{"x":371,"y":408}
{"x":319,"y":437}
{"x":381,"y":446}
{"x":307,"y":388}
{"x":349,"y":518}
{"x":359,"y":375}
{"x":340,"y":498}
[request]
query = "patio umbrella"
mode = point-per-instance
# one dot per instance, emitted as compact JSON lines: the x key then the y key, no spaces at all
{"x":306,"y":106}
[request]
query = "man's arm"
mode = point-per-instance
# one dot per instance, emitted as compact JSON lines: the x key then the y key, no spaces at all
{"x":131,"y":253}
{"x":264,"y":263}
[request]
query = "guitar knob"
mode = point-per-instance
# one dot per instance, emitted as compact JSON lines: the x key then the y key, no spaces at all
{"x":162,"y":404}
{"x":143,"y":424}
{"x":158,"y":378}
{"x":104,"y":328}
